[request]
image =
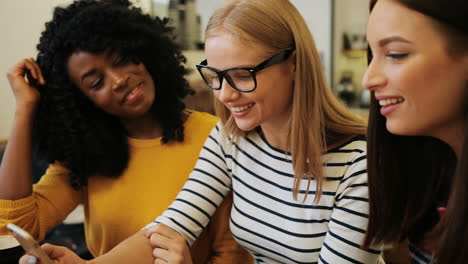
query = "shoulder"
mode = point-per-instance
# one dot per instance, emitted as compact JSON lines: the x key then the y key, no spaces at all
{"x":347,"y":165}
{"x":201,"y":119}
{"x":349,"y":157}
{"x":57,"y":168}
{"x":355,"y":146}
{"x":200,"y":122}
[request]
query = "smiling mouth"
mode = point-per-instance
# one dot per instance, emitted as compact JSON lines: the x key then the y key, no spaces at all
{"x":131,"y":93}
{"x":386,"y":102}
{"x":242,"y":108}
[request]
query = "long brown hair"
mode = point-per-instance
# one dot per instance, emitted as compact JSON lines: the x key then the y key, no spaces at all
{"x":409,"y":176}
{"x":318,"y":120}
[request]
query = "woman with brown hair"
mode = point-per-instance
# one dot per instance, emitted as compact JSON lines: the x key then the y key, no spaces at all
{"x":417,"y":152}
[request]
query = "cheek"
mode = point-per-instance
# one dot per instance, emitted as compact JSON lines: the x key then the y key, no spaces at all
{"x":276,"y":99}
{"x":281,"y":91}
{"x":433,"y":102}
{"x":216,"y":94}
{"x":102,"y":101}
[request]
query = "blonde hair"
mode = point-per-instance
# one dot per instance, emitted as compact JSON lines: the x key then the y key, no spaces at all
{"x":318,"y":120}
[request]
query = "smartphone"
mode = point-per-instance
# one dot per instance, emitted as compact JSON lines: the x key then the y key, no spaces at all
{"x":29,"y":244}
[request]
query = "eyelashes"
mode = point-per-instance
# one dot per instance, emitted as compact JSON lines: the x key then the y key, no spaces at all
{"x":97,"y":83}
{"x":397,"y":56}
{"x":118,"y":61}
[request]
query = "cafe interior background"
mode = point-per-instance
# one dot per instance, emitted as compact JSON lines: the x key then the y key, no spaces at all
{"x":338,"y":27}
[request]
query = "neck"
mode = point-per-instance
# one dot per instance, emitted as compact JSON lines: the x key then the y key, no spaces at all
{"x":277,"y":136}
{"x":453,"y":136}
{"x":142,"y":128}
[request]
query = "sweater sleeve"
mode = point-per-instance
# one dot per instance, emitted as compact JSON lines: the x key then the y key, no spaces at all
{"x":204,"y":191}
{"x":50,"y":203}
{"x":348,"y":223}
{"x":218,"y":245}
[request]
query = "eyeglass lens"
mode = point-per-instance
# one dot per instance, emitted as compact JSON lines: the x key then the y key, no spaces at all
{"x":242,"y":79}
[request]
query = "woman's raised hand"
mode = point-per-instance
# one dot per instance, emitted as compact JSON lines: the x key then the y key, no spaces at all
{"x":23,"y":78}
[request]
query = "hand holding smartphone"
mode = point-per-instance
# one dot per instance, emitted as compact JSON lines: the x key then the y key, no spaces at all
{"x":29,"y":244}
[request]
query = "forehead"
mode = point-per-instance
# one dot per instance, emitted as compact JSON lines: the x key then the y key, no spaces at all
{"x":81,"y":57}
{"x":225,"y":50}
{"x":389,"y":17}
{"x":80,"y":61}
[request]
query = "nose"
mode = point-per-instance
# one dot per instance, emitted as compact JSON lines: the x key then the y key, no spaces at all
{"x":374,"y":77}
{"x":227,"y":93}
{"x":118,"y":79}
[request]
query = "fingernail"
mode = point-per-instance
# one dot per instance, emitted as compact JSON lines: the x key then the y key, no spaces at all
{"x":32,"y":260}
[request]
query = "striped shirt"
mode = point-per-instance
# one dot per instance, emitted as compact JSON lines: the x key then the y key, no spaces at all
{"x":265,"y":218}
{"x":418,"y":255}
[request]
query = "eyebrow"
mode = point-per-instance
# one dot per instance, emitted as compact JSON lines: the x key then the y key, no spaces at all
{"x":388,"y":40}
{"x":87,"y":74}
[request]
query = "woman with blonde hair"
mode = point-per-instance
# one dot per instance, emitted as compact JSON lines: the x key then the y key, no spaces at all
{"x":293,"y":155}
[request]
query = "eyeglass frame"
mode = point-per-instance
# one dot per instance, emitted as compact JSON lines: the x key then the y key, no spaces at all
{"x":275,"y":59}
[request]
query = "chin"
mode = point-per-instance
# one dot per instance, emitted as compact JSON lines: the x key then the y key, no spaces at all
{"x":245,"y":126}
{"x":401,"y":129}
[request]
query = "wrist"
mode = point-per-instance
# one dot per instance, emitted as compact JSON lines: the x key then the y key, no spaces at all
{"x":25,"y":110}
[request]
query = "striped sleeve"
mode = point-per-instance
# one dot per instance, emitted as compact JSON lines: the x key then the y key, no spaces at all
{"x":348,"y":223}
{"x":206,"y":188}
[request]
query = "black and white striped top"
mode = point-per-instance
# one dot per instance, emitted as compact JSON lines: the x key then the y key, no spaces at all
{"x":419,"y":256}
{"x":265,"y":219}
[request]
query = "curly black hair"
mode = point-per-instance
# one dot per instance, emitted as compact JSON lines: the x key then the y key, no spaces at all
{"x":68,"y":127}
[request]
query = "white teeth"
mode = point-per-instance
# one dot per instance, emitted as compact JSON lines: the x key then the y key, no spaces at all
{"x":131,"y":94}
{"x":390,"y":101}
{"x":241,"y":109}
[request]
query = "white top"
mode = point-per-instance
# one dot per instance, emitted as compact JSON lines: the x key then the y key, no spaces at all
{"x":265,"y":218}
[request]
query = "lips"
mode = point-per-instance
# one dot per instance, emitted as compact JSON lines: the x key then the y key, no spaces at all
{"x":388,"y":99}
{"x":238,"y":109}
{"x":131,"y":93}
{"x":385,"y":102}
{"x":388,"y":104}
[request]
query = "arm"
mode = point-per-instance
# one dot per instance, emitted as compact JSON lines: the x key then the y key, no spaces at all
{"x":15,"y":169}
{"x":223,"y":247}
{"x":135,"y":249}
{"x":349,"y":219}
{"x":215,"y":245}
{"x":206,"y":188}
{"x":49,"y":204}
{"x":52,"y":199}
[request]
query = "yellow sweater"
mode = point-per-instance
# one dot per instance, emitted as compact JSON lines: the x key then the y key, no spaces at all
{"x":117,"y":208}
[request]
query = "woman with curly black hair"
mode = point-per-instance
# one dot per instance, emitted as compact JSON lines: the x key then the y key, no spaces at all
{"x":104,"y":106}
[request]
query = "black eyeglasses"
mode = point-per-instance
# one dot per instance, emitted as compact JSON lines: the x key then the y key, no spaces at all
{"x":242,"y":79}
